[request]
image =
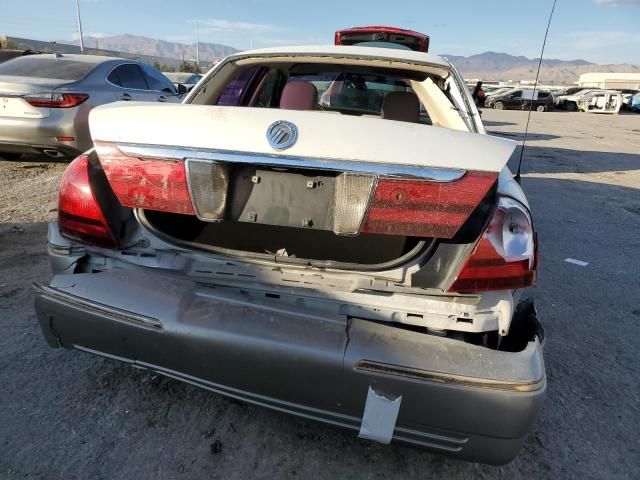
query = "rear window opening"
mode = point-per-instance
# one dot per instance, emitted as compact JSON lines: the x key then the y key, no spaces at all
{"x":390,"y":93}
{"x":286,"y":244}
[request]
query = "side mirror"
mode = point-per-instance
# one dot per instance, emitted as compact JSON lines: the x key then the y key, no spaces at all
{"x":181,"y":89}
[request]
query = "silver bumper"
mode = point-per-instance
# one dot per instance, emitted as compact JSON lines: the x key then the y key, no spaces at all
{"x":33,"y":135}
{"x":459,"y":399}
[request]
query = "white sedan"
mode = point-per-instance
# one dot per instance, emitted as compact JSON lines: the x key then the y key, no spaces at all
{"x":324,"y":231}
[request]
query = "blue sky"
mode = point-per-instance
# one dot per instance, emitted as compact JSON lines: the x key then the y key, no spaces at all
{"x":603,"y":31}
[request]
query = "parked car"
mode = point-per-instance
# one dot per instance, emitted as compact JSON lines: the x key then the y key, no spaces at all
{"x":602,"y":101}
{"x":499,"y":91}
{"x":188,"y":80}
{"x":569,"y":102}
{"x":569,"y":91}
{"x":361,"y":262}
{"x":45,"y":99}
{"x":634,"y":104}
{"x":521,"y":99}
{"x":627,"y":94}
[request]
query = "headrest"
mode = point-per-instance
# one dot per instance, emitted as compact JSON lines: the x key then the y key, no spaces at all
{"x":299,"y":95}
{"x":401,"y":106}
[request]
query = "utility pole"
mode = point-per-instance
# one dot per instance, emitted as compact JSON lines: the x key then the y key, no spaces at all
{"x":80,"y":26}
{"x":197,"y":49}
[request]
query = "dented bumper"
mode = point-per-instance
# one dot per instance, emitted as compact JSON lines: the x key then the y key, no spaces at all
{"x":456,"y":398}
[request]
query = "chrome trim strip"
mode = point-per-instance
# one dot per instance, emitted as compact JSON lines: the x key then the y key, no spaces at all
{"x":448,"y":378}
{"x":433,"y":174}
{"x":99,"y":308}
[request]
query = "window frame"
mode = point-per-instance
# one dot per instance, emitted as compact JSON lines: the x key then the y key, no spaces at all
{"x":128,"y":88}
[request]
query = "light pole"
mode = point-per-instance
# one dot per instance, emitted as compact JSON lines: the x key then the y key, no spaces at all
{"x":197,"y":49}
{"x":80,"y":26}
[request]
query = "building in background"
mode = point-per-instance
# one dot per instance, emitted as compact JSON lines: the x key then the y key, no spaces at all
{"x":610,"y":80}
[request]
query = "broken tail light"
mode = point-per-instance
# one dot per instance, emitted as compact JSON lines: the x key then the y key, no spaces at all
{"x":79,"y":214}
{"x":505,"y":257}
{"x":424,"y":208}
{"x":151,"y":183}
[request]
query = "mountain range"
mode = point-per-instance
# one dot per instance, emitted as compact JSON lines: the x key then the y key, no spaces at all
{"x":209,"y":52}
{"x":502,"y":66}
{"x":486,"y":66}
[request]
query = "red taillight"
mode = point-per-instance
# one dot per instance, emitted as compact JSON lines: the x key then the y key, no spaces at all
{"x":424,"y":208}
{"x":79,"y":214}
{"x":505,"y":256}
{"x":154,"y":184}
{"x":56,"y":99}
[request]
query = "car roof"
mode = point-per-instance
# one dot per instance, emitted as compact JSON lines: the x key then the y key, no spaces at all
{"x":351,"y":51}
{"x":77,"y":58}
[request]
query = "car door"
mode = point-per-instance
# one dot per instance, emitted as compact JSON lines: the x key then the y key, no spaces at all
{"x":542,"y":98}
{"x":160,"y":87}
{"x":129,"y":83}
{"x":514,"y":100}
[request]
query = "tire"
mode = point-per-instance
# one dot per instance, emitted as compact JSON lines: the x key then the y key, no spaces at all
{"x":12,"y":157}
{"x":498,"y":106}
{"x":541,"y":108}
{"x":571,"y":107}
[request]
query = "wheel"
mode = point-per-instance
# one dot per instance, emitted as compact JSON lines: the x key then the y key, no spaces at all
{"x":571,"y":107}
{"x":541,"y":108}
{"x":498,"y":106}
{"x":12,"y":157}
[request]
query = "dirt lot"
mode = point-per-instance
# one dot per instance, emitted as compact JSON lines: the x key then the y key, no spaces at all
{"x":67,"y":414}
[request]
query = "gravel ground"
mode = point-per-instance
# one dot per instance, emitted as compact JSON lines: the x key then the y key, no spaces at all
{"x":66,"y":414}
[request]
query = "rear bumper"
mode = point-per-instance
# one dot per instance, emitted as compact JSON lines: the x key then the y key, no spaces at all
{"x":459,"y":399}
{"x":33,"y":135}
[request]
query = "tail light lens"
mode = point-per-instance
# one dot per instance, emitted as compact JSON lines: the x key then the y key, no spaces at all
{"x":56,"y":99}
{"x":209,"y":184}
{"x":79,"y":214}
{"x":155,"y":184}
{"x":352,"y":197}
{"x":422,"y":208}
{"x":505,"y":257}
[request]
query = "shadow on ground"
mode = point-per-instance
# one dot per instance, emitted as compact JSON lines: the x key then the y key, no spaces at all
{"x":539,"y":159}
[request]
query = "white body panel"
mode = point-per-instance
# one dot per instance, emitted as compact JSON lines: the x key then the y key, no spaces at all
{"x":321,"y":135}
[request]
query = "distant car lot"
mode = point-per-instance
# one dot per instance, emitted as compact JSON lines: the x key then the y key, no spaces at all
{"x":78,"y":416}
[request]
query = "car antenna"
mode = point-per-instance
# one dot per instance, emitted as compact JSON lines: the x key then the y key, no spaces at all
{"x":535,"y":88}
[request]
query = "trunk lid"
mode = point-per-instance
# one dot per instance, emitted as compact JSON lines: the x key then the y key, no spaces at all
{"x":351,"y":193}
{"x":12,"y":88}
{"x":320,"y":135}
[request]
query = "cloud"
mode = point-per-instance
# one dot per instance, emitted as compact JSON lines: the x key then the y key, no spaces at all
{"x":219,"y":25}
{"x":76,"y":35}
{"x":617,"y":2}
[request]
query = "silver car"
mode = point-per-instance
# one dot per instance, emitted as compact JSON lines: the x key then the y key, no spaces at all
{"x":188,"y":80}
{"x":45,"y":100}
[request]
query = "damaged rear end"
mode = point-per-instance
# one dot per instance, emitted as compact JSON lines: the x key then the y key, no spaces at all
{"x":368,"y":275}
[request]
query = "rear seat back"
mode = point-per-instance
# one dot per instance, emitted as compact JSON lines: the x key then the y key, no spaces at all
{"x":298,"y":95}
{"x":401,"y":106}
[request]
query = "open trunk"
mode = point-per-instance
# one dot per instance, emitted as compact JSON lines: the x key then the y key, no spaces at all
{"x":285,"y":244}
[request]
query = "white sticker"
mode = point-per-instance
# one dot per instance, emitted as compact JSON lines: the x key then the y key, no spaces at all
{"x":576,"y":262}
{"x":379,"y":419}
